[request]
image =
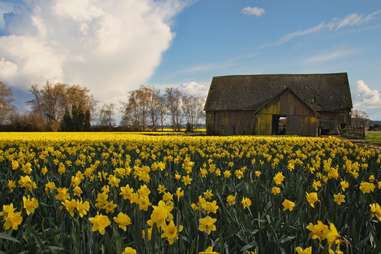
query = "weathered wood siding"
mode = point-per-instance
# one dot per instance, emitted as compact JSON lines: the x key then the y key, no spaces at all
{"x":301,"y":120}
{"x":334,"y":121}
{"x":230,"y":122}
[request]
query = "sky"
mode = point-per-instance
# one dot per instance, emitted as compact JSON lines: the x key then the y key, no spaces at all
{"x":115,"y":46}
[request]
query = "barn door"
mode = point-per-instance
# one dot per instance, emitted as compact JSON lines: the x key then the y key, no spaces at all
{"x":279,"y":125}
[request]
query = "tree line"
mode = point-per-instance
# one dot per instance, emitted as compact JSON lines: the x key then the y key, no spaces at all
{"x":63,"y":107}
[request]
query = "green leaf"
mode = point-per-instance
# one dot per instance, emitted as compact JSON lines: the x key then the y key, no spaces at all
{"x":287,"y":239}
{"x":248,"y":246}
{"x":8,"y":237}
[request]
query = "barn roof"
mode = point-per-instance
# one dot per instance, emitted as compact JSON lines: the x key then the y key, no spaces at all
{"x":322,"y":92}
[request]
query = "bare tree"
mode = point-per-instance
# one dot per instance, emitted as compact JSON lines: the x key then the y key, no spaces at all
{"x":162,"y":110}
{"x":137,"y":108}
{"x":360,"y":119}
{"x":173,"y":101}
{"x":149,"y":107}
{"x":130,"y":111}
{"x":106,"y":115}
{"x":51,"y":101}
{"x":143,"y":109}
{"x":356,"y":113}
{"x":6,"y":99}
{"x":192,"y":109}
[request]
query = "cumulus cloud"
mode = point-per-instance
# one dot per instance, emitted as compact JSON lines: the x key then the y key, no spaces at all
{"x":253,"y":11}
{"x":109,"y":46}
{"x":7,"y":69}
{"x":333,"y":25}
{"x":368,"y":98}
{"x":195,"y":88}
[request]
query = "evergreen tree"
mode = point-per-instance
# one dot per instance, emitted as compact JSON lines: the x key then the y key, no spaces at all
{"x":81,"y":119}
{"x":75,"y":116}
{"x":87,"y":124}
{"x":66,"y":124}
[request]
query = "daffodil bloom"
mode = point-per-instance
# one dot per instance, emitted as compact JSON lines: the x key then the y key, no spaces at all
{"x":50,"y":186}
{"x":27,"y":183}
{"x":171,"y":232}
{"x":62,"y":194}
{"x":318,"y":230}
{"x":187,"y":180}
{"x":316,"y":184}
{"x":231,"y":200}
{"x":70,"y":206}
{"x":312,"y":198}
{"x":179,"y":193}
{"x":375,"y":209}
{"x":344,"y":185}
{"x":167,"y":197}
{"x":288,"y":205}
{"x":61,"y":168}
{"x":339,"y":198}
{"x":99,"y":223}
{"x":126,"y":192}
{"x":161,"y":189}
{"x":206,"y":224}
{"x":129,"y":250}
{"x":82,"y":207}
{"x":7,"y":209}
{"x":12,"y":221}
{"x":44,"y":170}
{"x":208,"y":250}
{"x":275,"y":190}
{"x":278,"y":178}
{"x":332,"y":235}
{"x":227,"y":173}
{"x":15,"y":165}
{"x":160,"y":214}
{"x":300,"y":250}
{"x":30,"y":204}
{"x":77,"y":191}
{"x":366,"y":187}
{"x":246,"y":202}
{"x":238,"y":173}
{"x":11,"y":185}
{"x":123,"y":220}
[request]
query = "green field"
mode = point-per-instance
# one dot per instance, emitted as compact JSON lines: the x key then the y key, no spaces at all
{"x":373,"y":137}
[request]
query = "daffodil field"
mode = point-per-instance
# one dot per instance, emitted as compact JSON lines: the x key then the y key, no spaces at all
{"x":134,"y":193}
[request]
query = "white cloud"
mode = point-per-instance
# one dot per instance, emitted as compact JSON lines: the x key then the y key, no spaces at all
{"x":33,"y":60}
{"x":368,"y":98}
{"x":253,"y":11}
{"x":195,"y":88}
{"x":335,"y":24}
{"x":109,"y":46}
{"x":7,"y":69}
{"x":329,"y":56}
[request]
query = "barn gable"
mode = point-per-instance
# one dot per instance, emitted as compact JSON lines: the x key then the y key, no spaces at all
{"x":298,"y":117}
{"x":287,"y":102}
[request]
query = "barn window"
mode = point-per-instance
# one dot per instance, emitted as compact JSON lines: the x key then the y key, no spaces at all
{"x":279,"y":125}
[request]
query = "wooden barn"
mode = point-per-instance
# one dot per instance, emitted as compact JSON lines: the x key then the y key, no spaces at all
{"x":289,"y":104}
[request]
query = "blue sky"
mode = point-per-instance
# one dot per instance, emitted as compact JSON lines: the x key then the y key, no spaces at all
{"x":182,"y":43}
